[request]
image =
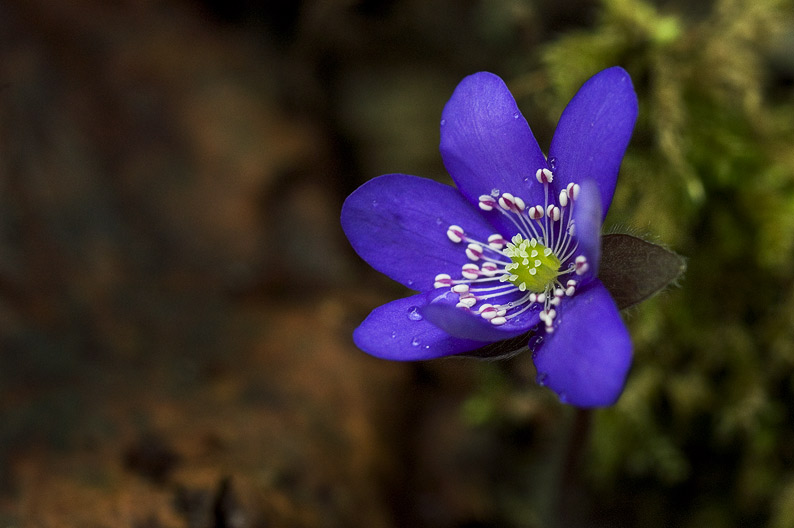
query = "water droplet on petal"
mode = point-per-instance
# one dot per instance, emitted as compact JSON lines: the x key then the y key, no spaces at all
{"x":542,"y":379}
{"x":393,"y":335}
{"x":534,"y":343}
{"x":563,"y":398}
{"x":516,"y":115}
{"x":494,"y":192}
{"x":410,"y":283}
{"x":427,"y":347}
{"x":443,"y":122}
{"x":416,"y":342}
{"x":374,"y":203}
{"x":439,"y":221}
{"x":552,"y":163}
{"x":413,"y":314}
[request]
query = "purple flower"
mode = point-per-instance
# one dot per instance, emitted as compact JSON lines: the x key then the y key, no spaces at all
{"x":514,"y":250}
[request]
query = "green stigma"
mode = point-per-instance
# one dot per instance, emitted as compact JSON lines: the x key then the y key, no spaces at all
{"x":534,"y":265}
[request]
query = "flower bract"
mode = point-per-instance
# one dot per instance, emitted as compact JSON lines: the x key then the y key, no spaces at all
{"x":512,"y":250}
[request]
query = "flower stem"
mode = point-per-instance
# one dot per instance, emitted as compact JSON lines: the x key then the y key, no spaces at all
{"x":569,"y":499}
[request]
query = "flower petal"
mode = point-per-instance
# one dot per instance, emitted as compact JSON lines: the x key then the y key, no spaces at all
{"x":593,"y":133}
{"x":586,"y":360}
{"x":398,"y":224}
{"x":487,"y":144}
{"x":459,"y":322}
{"x":587,"y":219}
{"x":397,"y":331}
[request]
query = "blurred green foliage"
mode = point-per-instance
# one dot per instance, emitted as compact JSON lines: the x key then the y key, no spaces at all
{"x":704,"y":433}
{"x":704,"y":430}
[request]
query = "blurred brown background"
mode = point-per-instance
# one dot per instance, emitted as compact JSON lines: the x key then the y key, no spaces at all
{"x":176,"y":296}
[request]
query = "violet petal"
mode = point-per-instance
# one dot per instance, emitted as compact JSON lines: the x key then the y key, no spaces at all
{"x":594,"y":131}
{"x":398,"y":331}
{"x":398,"y":224}
{"x":586,"y":360}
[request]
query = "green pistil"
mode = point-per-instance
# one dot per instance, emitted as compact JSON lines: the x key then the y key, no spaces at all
{"x":534,"y":265}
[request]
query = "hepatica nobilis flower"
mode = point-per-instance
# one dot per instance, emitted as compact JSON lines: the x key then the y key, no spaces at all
{"x":514,"y":250}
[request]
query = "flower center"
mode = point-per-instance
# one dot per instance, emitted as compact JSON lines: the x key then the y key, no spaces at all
{"x":504,"y":279}
{"x":534,"y":265}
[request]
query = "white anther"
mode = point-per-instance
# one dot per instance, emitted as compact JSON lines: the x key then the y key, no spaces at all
{"x":474,"y":251}
{"x":570,"y":290}
{"x":541,"y":297}
{"x":536,"y":212}
{"x":553,"y":212}
{"x":498,"y":320}
{"x":470,"y":271}
{"x":533,"y":297}
{"x":555,"y":301}
{"x":552,"y":314}
{"x":544,"y":176}
{"x":455,"y":233}
{"x":544,"y":317}
{"x":563,"y":198}
{"x":506,"y":201}
{"x":460,"y":288}
{"x":489,"y":269}
{"x":549,"y":329}
{"x":496,"y":241}
{"x":467,"y":302}
{"x":519,"y":203}
{"x":559,"y":292}
{"x":488,"y":312}
{"x":487,"y":202}
{"x":581,"y":265}
{"x":573,"y":190}
{"x":442,"y":280}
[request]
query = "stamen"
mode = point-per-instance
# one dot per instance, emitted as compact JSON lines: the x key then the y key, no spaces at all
{"x":563,"y":198}
{"x":470,"y":271}
{"x":544,"y":176}
{"x":455,"y":233}
{"x":487,"y":202}
{"x":536,"y":212}
{"x":496,"y":241}
{"x":489,"y":269}
{"x":442,"y":280}
{"x":581,"y":265}
{"x":511,"y":203}
{"x":466,"y":302}
{"x":535,"y":267}
{"x":474,"y":251}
